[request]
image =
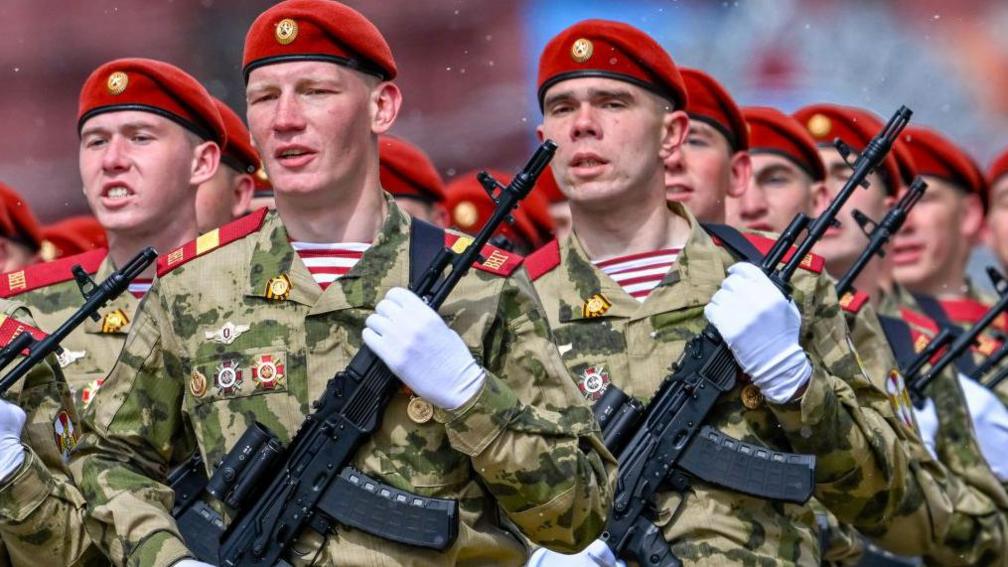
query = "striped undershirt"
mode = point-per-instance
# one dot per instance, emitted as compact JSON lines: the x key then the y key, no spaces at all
{"x":638,"y":274}
{"x":139,"y":287}
{"x":328,"y":262}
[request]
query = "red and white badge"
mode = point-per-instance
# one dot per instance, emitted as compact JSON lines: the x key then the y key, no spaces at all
{"x":594,"y":381}
{"x":65,"y":433}
{"x":228,"y":378}
{"x":899,"y":398}
{"x":268,"y":372}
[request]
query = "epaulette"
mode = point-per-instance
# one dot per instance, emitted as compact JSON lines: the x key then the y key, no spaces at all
{"x":811,"y":262}
{"x":966,"y":310}
{"x":543,"y":260}
{"x":853,"y":302}
{"x":212,"y":240}
{"x":46,"y":274}
{"x":10,"y":328}
{"x":495,"y":260}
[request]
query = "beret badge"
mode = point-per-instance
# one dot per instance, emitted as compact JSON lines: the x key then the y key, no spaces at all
{"x":581,"y":50}
{"x":819,"y":125}
{"x":116,"y":83}
{"x":286,"y":31}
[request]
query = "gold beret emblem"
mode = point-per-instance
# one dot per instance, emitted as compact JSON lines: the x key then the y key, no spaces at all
{"x":465,"y":214}
{"x":117,"y":83}
{"x":286,"y":31}
{"x":819,"y":125}
{"x":582,"y":50}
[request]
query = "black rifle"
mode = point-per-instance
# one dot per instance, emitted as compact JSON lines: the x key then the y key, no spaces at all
{"x":879,"y":233}
{"x":277,"y":492}
{"x":961,"y":341}
{"x":95,"y":297}
{"x":665,"y":442}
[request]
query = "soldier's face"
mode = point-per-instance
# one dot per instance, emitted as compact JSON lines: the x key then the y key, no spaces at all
{"x":609,"y":133}
{"x":778,"y":190}
{"x":841,"y":246}
{"x":139,"y":170}
{"x":936,"y":238}
{"x":706,"y":172}
{"x":997,"y":220}
{"x":315,"y":123}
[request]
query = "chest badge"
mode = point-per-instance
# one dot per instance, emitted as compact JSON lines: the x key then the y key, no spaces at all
{"x":593,"y":383}
{"x":278,"y":287}
{"x":226,"y":334}
{"x":751,"y":396}
{"x":268,"y":373}
{"x":65,"y":433}
{"x":197,"y":384}
{"x":114,"y":321}
{"x":228,"y":378}
{"x":68,"y":357}
{"x":899,"y":398}
{"x":595,"y":306}
{"x":419,"y":410}
{"x":88,"y":392}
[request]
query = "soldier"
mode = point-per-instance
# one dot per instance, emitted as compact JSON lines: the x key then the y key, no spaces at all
{"x":237,"y":328}
{"x":623,"y":299}
{"x":149,"y":135}
{"x":20,"y":234}
{"x":228,"y":194}
{"x":411,"y":178}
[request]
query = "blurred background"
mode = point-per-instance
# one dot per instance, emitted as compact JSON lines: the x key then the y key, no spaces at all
{"x":468,"y":66}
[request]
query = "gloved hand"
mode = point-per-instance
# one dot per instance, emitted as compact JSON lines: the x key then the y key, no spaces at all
{"x":190,"y":563}
{"x":12,"y":453}
{"x":596,"y":554}
{"x":761,"y":327}
{"x":417,"y":345}
{"x":927,"y":421}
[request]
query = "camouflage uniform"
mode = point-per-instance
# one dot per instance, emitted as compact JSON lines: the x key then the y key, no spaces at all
{"x":93,"y":347}
{"x":525,"y":452}
{"x":860,"y":472}
{"x":41,"y":511}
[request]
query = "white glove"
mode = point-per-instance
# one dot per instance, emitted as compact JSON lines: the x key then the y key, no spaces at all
{"x":927,"y":421}
{"x":12,"y":453}
{"x":990,"y":420}
{"x":761,"y":327}
{"x":190,"y":563}
{"x":596,"y":554}
{"x":417,"y":345}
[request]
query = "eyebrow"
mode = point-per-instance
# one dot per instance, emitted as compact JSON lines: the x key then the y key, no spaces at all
{"x":592,"y":94}
{"x":140,"y":125}
{"x":773,"y":168}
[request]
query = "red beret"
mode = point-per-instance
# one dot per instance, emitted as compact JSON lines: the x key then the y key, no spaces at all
{"x":772,"y":131}
{"x":470,"y":207}
{"x":72,"y":235}
{"x":998,"y":168}
{"x":855,"y":127}
{"x":612,"y":50}
{"x":17,"y":222}
{"x":238,"y":153}
{"x":937,"y":156}
{"x":151,"y":86}
{"x":317,"y":30}
{"x":405,"y":170}
{"x":547,"y":186}
{"x":711,"y":103}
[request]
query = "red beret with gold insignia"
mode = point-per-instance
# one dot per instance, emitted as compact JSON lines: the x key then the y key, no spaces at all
{"x":317,"y":30}
{"x":855,"y":127}
{"x":936,"y":156}
{"x":612,"y":50}
{"x":17,"y":221}
{"x":71,"y":236}
{"x":151,"y":86}
{"x":469,"y":207}
{"x":772,"y":131}
{"x":406,"y":171}
{"x":711,"y":103}
{"x":547,"y":186}
{"x":238,"y":153}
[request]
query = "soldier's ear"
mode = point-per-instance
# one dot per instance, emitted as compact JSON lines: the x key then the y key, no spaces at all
{"x":205,"y":161}
{"x":741,"y":173}
{"x":675,"y":128}
{"x":972,"y":224}
{"x":386,"y":99}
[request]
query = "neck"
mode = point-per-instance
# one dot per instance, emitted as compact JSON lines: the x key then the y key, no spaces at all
{"x":605,"y":233}
{"x":948,"y":282}
{"x":333,"y":216}
{"x":124,"y":246}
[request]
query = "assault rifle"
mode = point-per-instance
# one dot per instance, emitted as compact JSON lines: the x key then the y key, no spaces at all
{"x":664,"y":443}
{"x":276,"y":492}
{"x":95,"y":297}
{"x":961,"y":341}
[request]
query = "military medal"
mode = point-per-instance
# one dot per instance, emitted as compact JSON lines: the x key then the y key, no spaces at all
{"x":268,"y":373}
{"x":278,"y":287}
{"x":228,"y":378}
{"x":65,"y":434}
{"x":593,"y":383}
{"x":114,"y":321}
{"x":226,"y":334}
{"x":595,"y":306}
{"x":197,"y":384}
{"x":88,"y":392}
{"x":751,"y":396}
{"x":419,"y":410}
{"x":899,"y":397}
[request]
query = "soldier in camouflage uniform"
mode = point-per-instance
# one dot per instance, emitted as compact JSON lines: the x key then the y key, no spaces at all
{"x":239,"y":327}
{"x":138,"y":169}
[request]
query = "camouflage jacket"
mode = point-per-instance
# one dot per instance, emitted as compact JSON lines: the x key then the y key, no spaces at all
{"x":41,"y":511}
{"x":51,"y":292}
{"x":525,"y":452}
{"x":860,"y":471}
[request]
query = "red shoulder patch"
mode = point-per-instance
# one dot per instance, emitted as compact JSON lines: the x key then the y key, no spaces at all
{"x":811,"y":262}
{"x":495,"y":260}
{"x":543,"y":260}
{"x":211,"y":241}
{"x":10,"y":328}
{"x":853,"y":302}
{"x":46,"y":274}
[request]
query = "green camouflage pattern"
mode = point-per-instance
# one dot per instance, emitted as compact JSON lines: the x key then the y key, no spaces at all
{"x":861,"y":469}
{"x":41,"y":510}
{"x":842,"y":545}
{"x":524,"y":454}
{"x":89,"y":351}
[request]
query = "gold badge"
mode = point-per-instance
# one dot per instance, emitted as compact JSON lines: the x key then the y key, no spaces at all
{"x":819,"y":125}
{"x":595,"y":306}
{"x":582,"y":50}
{"x":419,"y":410}
{"x":465,"y":214}
{"x":286,"y":31}
{"x":751,"y":396}
{"x":114,"y":321}
{"x":197,"y":384}
{"x":278,"y":287}
{"x":48,"y":251}
{"x":117,"y":83}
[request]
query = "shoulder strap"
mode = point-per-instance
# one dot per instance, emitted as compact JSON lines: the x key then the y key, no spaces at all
{"x":900,"y":339}
{"x":933,"y":309}
{"x":426,"y":240}
{"x":734,"y":241}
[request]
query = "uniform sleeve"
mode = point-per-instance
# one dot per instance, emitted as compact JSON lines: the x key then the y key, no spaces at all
{"x":530,"y":435}
{"x":122,"y":459}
